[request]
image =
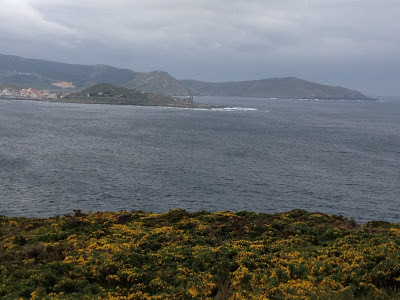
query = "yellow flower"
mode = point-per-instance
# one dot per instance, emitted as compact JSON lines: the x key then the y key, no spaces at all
{"x":112,"y":278}
{"x":193,"y":291}
{"x":395,"y":230}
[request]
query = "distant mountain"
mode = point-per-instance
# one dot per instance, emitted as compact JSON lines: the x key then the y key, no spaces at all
{"x":44,"y":74}
{"x":289,"y":87}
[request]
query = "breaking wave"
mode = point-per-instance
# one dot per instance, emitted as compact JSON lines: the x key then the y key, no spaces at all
{"x":235,"y":109}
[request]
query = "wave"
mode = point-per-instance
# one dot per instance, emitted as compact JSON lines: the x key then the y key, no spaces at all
{"x":234,"y":109}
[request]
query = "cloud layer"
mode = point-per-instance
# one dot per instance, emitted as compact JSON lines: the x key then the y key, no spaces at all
{"x":342,"y":42}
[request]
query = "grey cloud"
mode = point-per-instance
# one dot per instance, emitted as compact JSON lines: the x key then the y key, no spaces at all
{"x":20,"y":20}
{"x":220,"y":39}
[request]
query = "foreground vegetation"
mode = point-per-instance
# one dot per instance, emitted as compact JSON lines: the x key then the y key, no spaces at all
{"x":203,"y":255}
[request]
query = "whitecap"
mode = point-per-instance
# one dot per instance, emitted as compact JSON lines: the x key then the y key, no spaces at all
{"x":234,"y":109}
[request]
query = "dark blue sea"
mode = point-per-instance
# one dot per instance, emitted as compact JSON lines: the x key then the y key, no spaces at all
{"x":263,"y":155}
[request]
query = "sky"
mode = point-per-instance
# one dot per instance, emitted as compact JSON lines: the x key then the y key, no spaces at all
{"x":350,"y":43}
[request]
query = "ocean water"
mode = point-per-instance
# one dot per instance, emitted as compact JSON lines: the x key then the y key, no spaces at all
{"x":264,"y":155}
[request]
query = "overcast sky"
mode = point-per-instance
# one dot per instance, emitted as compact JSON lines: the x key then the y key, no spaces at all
{"x":352,"y":43}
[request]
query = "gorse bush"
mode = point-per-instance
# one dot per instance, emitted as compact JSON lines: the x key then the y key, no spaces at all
{"x":202,"y":255}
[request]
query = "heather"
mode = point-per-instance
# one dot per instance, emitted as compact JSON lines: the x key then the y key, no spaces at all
{"x":199,"y":255}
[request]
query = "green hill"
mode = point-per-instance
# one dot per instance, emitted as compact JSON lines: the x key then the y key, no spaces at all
{"x":113,"y":91}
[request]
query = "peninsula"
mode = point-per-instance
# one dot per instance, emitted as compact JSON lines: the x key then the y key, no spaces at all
{"x":104,"y":93}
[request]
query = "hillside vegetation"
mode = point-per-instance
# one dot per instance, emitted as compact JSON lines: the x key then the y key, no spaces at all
{"x":202,"y":255}
{"x":157,"y":82}
{"x":11,"y":86}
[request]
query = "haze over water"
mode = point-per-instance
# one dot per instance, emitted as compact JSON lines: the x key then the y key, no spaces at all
{"x":335,"y":157}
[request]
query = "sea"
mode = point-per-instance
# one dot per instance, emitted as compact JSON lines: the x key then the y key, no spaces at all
{"x":262,"y":155}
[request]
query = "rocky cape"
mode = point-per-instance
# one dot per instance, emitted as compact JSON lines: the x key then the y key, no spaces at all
{"x":45,"y":74}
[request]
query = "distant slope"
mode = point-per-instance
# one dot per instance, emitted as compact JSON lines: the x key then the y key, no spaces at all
{"x":289,"y":87}
{"x":11,"y":86}
{"x":157,"y":82}
{"x":43,"y":73}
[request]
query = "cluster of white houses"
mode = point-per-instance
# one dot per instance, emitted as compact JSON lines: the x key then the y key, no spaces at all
{"x":30,"y":93}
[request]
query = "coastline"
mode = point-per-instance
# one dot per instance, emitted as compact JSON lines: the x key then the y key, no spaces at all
{"x":180,"y":103}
